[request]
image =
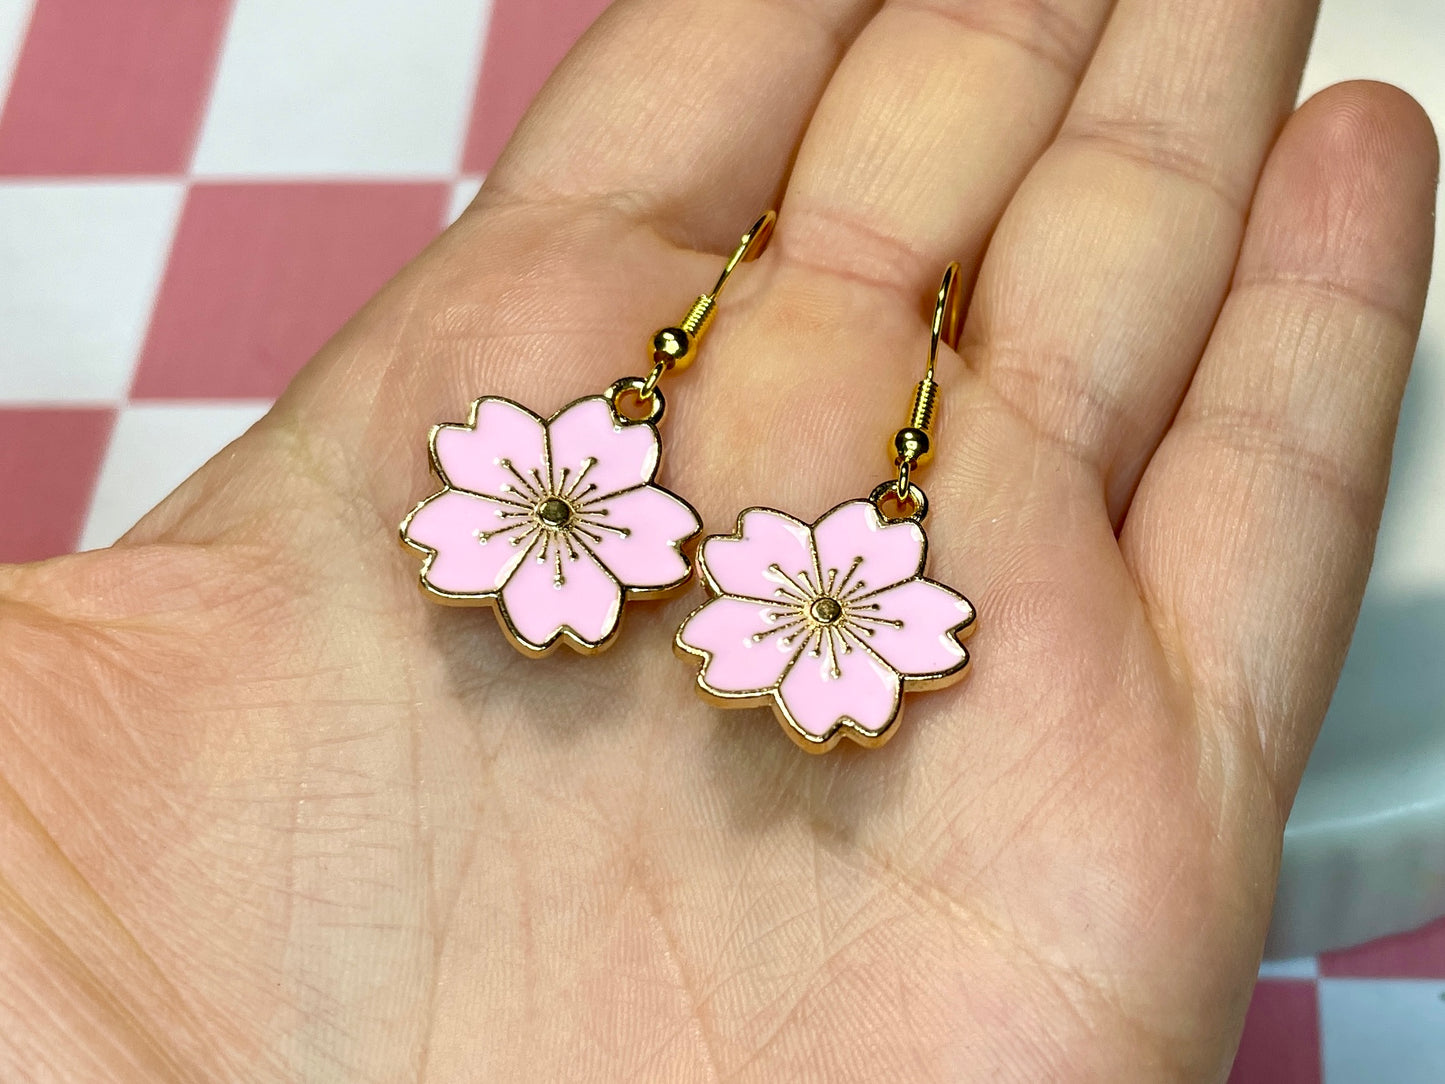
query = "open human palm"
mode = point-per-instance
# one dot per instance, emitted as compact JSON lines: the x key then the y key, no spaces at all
{"x":269,"y":815}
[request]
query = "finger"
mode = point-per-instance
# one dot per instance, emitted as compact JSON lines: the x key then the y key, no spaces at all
{"x":923,"y":134}
{"x":684,"y":111}
{"x":933,"y":116}
{"x":1253,"y":527}
{"x":1107,"y":272}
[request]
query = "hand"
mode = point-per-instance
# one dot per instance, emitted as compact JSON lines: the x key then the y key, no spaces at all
{"x":268,"y":815}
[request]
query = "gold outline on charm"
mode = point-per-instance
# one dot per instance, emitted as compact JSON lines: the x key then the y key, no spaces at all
{"x":770,"y":696}
{"x":566,"y":634}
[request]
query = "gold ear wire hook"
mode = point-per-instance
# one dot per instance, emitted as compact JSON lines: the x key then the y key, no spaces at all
{"x":913,"y":444}
{"x":753,"y":244}
{"x":947,"y":315}
{"x":676,"y":347}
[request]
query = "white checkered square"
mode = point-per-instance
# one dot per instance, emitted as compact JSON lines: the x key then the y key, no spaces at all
{"x":1377,"y":1031}
{"x":343,"y":87}
{"x":154,"y":449}
{"x":79,"y":267}
{"x":463,"y":192}
{"x":14,"y":19}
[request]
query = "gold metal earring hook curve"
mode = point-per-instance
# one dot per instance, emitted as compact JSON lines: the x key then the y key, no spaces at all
{"x":947,"y":314}
{"x":752,"y":245}
{"x":676,"y":347}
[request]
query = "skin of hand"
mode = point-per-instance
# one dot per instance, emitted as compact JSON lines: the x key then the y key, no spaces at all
{"x":266,"y":815}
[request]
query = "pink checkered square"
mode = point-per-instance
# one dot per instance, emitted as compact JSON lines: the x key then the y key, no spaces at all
{"x":1416,"y":955}
{"x":526,"y":40}
{"x":48,"y":464}
{"x":110,"y":87}
{"x":1281,"y":1042}
{"x":261,"y":275}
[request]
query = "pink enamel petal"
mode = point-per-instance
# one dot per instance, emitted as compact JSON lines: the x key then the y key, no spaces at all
{"x":623,"y":456}
{"x":743,"y":566}
{"x":588,"y":601}
{"x":655,"y":522}
{"x":464,"y":565}
{"x":471,"y":459}
{"x":890,"y":552}
{"x":865,"y":690}
{"x":928,"y":613}
{"x":724,"y":628}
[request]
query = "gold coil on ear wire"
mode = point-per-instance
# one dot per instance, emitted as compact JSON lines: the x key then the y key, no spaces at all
{"x":699,"y":316}
{"x":924,"y":397}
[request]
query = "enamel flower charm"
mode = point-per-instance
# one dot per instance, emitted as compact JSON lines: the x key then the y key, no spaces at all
{"x":555,"y":523}
{"x":829,"y":624}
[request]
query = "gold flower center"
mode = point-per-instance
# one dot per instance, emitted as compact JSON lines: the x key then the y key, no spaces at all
{"x":826,"y":610}
{"x":554,"y":512}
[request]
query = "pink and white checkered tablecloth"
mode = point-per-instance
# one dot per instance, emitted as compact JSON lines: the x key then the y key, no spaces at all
{"x":195,"y":193}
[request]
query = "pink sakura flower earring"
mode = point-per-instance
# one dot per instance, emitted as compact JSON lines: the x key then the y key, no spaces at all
{"x":832,"y":622}
{"x":556,"y":523}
